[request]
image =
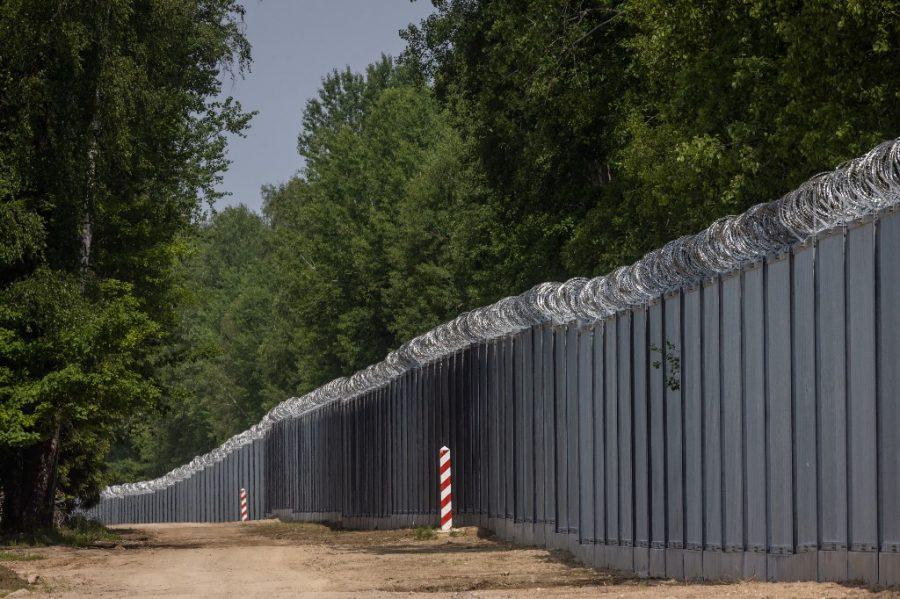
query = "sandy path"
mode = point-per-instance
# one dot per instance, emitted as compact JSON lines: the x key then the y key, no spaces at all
{"x":268,"y":559}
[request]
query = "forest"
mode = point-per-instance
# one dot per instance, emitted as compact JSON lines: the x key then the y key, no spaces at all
{"x":512,"y":142}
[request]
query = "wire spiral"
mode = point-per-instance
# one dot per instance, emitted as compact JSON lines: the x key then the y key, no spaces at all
{"x":854,"y":190}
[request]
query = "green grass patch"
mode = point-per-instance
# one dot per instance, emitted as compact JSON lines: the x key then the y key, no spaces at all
{"x":78,"y":532}
{"x":424,"y":533}
{"x":14,"y":556}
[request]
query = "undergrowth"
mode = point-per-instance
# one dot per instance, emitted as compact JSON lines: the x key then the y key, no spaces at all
{"x":13,"y":556}
{"x":77,"y":532}
{"x":424,"y":533}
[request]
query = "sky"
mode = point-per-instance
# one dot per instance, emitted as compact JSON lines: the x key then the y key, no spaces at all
{"x":294,"y":44}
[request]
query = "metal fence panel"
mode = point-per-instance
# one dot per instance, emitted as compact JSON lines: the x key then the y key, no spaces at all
{"x":832,"y":417}
{"x":509,"y":426}
{"x":691,"y":381}
{"x":732,"y":415}
{"x":671,"y":358}
{"x":550,"y":447}
{"x":752,"y":338}
{"x":657,"y":415}
{"x":560,"y":404}
{"x":861,"y":397}
{"x":803,"y":363}
{"x":611,"y":434}
{"x":585,"y":419}
{"x":642,"y":505}
{"x":712,"y":419}
{"x":740,"y":426}
{"x":888,"y":368}
{"x":599,"y":440}
{"x":540,"y":427}
{"x":779,"y":409}
{"x":624,"y":410}
{"x":528,"y":427}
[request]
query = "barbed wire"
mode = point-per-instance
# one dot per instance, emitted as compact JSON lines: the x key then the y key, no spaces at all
{"x":853,"y":190}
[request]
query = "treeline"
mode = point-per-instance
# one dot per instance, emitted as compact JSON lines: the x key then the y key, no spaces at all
{"x":388,"y":231}
{"x":110,"y":140}
{"x":513,"y":142}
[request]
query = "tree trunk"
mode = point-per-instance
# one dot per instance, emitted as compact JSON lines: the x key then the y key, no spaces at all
{"x":30,"y":486}
{"x":87,"y":235}
{"x":87,"y":225}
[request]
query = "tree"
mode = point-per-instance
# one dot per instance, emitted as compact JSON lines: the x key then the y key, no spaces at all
{"x":533,"y":88}
{"x":108,"y":140}
{"x":370,"y":243}
{"x":737,"y":103}
{"x":215,"y":384}
{"x":446,"y":245}
{"x":74,"y":359}
{"x":606,"y":129}
{"x":515,"y":142}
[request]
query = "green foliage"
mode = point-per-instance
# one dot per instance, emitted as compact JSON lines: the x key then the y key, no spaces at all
{"x":737,"y":103}
{"x":23,"y":235}
{"x":672,"y":368}
{"x":214,"y":373}
{"x":516,"y":142}
{"x":77,"y":532}
{"x":69,"y":355}
{"x":533,"y":88}
{"x":609,"y":128}
{"x":16,"y":556}
{"x":73,"y":361}
{"x":376,"y":241}
{"x":386,"y":233}
{"x":444,"y":244}
{"x":109,"y":140}
{"x":424,"y":533}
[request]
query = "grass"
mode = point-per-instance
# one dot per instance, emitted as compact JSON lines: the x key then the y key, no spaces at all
{"x":13,"y":556}
{"x":78,"y":532}
{"x":424,"y":533}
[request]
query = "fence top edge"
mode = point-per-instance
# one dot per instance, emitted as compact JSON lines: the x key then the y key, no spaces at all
{"x":855,"y":192}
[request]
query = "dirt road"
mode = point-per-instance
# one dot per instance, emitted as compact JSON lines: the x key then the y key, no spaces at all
{"x":270,"y":559}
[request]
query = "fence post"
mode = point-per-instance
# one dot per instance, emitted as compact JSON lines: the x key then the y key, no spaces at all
{"x":446,"y":494}
{"x":245,"y":515}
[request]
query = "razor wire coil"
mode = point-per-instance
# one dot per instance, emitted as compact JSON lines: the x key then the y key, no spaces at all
{"x":853,"y":190}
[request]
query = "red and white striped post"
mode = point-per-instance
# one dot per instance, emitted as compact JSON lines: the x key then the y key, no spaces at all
{"x":446,"y":494}
{"x":245,"y":511}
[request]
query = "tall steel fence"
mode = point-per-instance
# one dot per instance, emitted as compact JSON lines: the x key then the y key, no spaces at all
{"x":739,"y":424}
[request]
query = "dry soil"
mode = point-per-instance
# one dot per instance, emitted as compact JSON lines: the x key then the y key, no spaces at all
{"x":273,"y":559}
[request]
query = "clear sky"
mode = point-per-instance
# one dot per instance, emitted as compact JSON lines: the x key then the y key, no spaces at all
{"x":295,"y":43}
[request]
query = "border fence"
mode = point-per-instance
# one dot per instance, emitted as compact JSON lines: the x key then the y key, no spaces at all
{"x":728,"y":407}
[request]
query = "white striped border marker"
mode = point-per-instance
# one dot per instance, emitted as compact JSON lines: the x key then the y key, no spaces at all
{"x":245,"y":512}
{"x":446,"y":494}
